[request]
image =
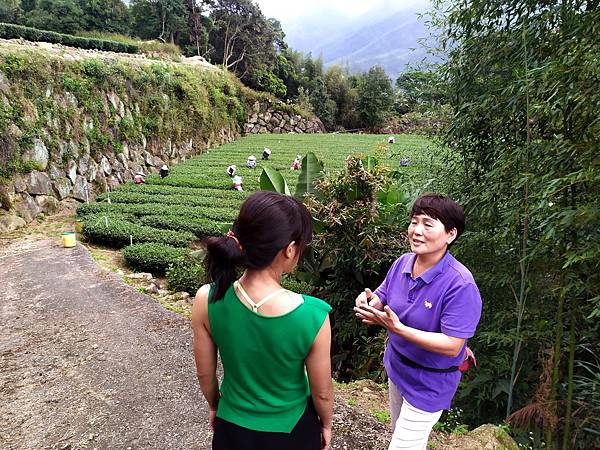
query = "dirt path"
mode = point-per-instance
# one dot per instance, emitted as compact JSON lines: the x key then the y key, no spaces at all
{"x":89,"y":362}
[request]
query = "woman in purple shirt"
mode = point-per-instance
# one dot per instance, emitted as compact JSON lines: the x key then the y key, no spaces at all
{"x":430,"y":305}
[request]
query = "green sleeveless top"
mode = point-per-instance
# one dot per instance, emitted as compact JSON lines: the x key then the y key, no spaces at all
{"x":265,"y":386}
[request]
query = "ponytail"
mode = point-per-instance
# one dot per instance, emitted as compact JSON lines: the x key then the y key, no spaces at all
{"x":223,"y":256}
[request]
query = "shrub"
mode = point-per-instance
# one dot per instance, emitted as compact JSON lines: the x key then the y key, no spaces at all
{"x":300,"y":287}
{"x":152,"y":257}
{"x":153,"y":209}
{"x":186,"y":274}
{"x":354,"y":250}
{"x":10,"y":31}
{"x":200,"y":227}
{"x":119,"y":233}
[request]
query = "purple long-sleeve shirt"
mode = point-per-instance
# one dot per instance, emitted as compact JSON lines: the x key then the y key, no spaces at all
{"x":443,"y":299}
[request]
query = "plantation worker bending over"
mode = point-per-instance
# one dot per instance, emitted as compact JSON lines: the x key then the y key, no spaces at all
{"x":139,"y":178}
{"x":297,"y":163}
{"x":231,"y":170}
{"x":251,"y":162}
{"x":274,"y":344}
{"x":430,"y":305}
{"x":237,"y":183}
{"x":164,"y":171}
{"x":266,"y":153}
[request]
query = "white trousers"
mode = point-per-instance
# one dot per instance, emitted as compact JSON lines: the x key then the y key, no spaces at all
{"x":411,"y":426}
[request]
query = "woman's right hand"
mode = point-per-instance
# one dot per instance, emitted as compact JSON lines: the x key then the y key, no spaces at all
{"x":364,"y":298}
{"x":325,"y":438}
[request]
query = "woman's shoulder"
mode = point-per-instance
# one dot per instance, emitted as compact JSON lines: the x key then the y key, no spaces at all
{"x":461,"y":272}
{"x":316,"y":303}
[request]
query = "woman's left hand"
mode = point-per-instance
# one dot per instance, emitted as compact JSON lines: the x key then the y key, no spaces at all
{"x":386,"y":318}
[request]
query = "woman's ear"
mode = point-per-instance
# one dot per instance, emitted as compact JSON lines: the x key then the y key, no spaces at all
{"x":451,"y":236}
{"x":290,"y":250}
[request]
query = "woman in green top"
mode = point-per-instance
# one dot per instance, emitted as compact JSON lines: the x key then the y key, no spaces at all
{"x":274,"y":344}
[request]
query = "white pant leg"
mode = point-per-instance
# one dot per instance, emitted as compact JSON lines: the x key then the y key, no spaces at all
{"x":412,"y":425}
{"x":395,"y":403}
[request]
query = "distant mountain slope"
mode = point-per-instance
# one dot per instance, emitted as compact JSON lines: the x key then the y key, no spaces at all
{"x":362,"y":43}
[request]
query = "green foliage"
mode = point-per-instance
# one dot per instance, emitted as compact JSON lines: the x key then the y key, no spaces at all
{"x":419,"y":90}
{"x":9,"y":31}
{"x":119,"y":233}
{"x":354,"y":251}
{"x":271,"y":180}
{"x":525,"y":126}
{"x":11,"y":11}
{"x":451,"y":422}
{"x":201,"y":228}
{"x":265,"y":80}
{"x":311,"y":172}
{"x":375,"y":97}
{"x":186,"y":274}
{"x":322,"y":105}
{"x":152,"y":257}
{"x":292,"y":284}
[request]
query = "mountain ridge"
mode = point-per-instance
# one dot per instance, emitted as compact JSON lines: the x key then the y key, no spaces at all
{"x":391,"y":41}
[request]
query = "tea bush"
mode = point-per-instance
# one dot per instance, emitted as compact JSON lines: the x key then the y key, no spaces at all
{"x":119,"y":233}
{"x":152,"y":257}
{"x":186,"y":274}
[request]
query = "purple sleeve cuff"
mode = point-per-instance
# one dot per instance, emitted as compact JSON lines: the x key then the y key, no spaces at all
{"x":379,"y":293}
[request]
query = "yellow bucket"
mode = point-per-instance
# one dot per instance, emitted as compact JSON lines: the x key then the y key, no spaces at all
{"x":69,"y":239}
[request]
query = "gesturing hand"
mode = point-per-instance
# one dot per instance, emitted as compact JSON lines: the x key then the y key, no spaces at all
{"x":372,"y":316}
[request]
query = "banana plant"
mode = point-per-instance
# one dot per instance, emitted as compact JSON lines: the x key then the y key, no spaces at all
{"x":311,"y":171}
{"x":271,"y":180}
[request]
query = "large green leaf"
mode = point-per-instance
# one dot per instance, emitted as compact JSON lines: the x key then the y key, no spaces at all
{"x":371,"y":163}
{"x":312,"y":170}
{"x":271,"y":180}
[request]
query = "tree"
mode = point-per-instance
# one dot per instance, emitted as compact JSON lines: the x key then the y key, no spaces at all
{"x":164,"y":20}
{"x":322,"y":105}
{"x":10,"y":11}
{"x":63,"y":16}
{"x":110,"y":16}
{"x":242,"y":36}
{"x":523,"y":81}
{"x":197,"y":36}
{"x":375,"y":97}
{"x":417,"y":88}
{"x":339,"y":87}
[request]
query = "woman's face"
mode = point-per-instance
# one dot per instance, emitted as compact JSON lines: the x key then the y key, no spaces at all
{"x":428,"y":236}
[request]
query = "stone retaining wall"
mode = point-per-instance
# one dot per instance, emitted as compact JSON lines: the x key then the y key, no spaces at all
{"x":84,"y":176}
{"x":266,"y":119}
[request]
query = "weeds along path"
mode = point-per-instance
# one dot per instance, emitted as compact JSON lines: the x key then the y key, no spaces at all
{"x":89,"y":362}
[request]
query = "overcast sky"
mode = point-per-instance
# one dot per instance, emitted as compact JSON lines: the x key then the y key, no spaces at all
{"x":286,"y":11}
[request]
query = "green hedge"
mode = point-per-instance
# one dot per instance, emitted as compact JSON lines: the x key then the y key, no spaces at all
{"x":186,"y":274}
{"x":168,"y":199}
{"x":11,"y":31}
{"x":152,"y":257}
{"x":154,"y":209}
{"x":190,"y":182}
{"x":200,"y":227}
{"x":171,"y":190}
{"x":117,"y":233}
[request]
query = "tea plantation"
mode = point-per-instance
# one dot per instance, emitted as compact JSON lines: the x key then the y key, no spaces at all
{"x":197,"y":198}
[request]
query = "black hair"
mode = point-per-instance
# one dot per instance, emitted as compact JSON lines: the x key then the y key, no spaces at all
{"x":443,"y":208}
{"x":266,"y":224}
